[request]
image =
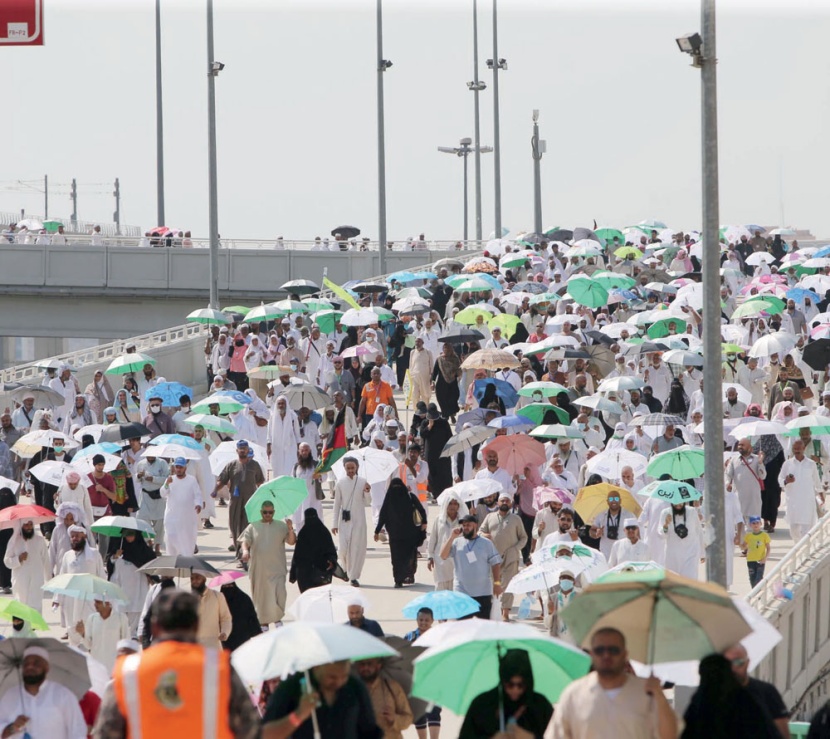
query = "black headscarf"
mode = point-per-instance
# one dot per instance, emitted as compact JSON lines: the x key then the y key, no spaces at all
{"x":396,"y":512}
{"x":244,"y":617}
{"x":137,"y":552}
{"x":7,"y":499}
{"x":563,"y":400}
{"x":313,"y":552}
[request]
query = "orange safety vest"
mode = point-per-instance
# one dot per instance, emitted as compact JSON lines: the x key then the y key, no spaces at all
{"x":403,"y":470}
{"x":175,"y":689}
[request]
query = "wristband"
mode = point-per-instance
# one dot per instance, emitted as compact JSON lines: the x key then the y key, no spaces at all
{"x":294,"y":719}
{"x":496,"y":582}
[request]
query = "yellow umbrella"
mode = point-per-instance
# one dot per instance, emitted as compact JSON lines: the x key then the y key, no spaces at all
{"x":593,"y":500}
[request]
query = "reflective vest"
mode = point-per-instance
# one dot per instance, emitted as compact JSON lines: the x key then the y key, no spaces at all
{"x":175,"y":689}
{"x":404,"y":472}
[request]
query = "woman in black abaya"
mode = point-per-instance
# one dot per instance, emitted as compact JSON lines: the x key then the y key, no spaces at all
{"x":405,"y":521}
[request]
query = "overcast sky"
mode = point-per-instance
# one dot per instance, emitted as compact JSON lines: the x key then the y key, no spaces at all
{"x":296,"y":115}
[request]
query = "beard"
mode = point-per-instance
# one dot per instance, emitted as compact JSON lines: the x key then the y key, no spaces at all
{"x":27,"y":534}
{"x":201,"y":589}
{"x":469,"y":534}
{"x":18,"y":626}
{"x":34,"y":679}
{"x":79,"y":546}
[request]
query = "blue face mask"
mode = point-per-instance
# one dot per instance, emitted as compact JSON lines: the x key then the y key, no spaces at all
{"x":566,"y":585}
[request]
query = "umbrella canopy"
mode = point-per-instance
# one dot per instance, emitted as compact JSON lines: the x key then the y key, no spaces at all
{"x":610,"y":464}
{"x":660,"y":327}
{"x":169,"y":393}
{"x":623,"y":382}
{"x":598,"y":403}
{"x":226,"y":578}
{"x":684,"y":358}
{"x":178,"y":566}
{"x":171,"y":451}
{"x":504,"y":390}
{"x":85,"y":466}
{"x":211,"y":423}
{"x":671,"y":491}
{"x":754,"y":429}
{"x":461,"y":336}
{"x":300,"y":287}
{"x":776,"y":343}
{"x":400,"y":669}
{"x":128,"y":363}
{"x":683,"y":463}
{"x":10,"y":609}
{"x":359,"y":317}
{"x":376,"y":465}
{"x":586,"y":291}
{"x":209,"y":316}
{"x":50,"y":472}
{"x":817,"y":354}
{"x":545,"y":389}
{"x":591,"y":501}
{"x":86,"y":587}
{"x":537,"y":412}
{"x":226,"y":453}
{"x":30,"y":444}
{"x":103,"y":447}
{"x":480,"y":645}
{"x":226,"y":404}
{"x":347,"y":232}
{"x":557,"y":431}
{"x":22,"y":512}
{"x":115,"y":525}
{"x":506,"y":322}
{"x":66,"y":666}
{"x":664,"y":617}
{"x":548,"y":562}
{"x":285,"y":492}
{"x":327,"y":604}
{"x":122,"y":431}
{"x":516,"y":452}
{"x":470,"y":315}
{"x":470,"y":490}
{"x":658,"y":419}
{"x":44,"y":396}
{"x":306,"y":395}
{"x":445,"y":605}
{"x":490,"y":359}
{"x":510,"y":422}
{"x":818,"y":425}
{"x":300,"y":646}
{"x":180,"y":439}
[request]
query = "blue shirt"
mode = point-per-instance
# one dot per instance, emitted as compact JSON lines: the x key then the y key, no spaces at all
{"x":473,"y":560}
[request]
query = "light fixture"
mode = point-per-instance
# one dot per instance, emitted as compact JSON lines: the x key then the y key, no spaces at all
{"x":476,"y":86}
{"x":692,"y":44}
{"x":535,"y":116}
{"x":385,"y":64}
{"x":215,"y":68}
{"x":465,"y":142}
{"x":502,"y":64}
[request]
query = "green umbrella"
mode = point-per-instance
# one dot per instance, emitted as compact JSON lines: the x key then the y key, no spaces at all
{"x":10,"y":609}
{"x":683,"y":463}
{"x":552,"y":231}
{"x":84,"y":586}
{"x":455,"y":280}
{"x":547,"y":389}
{"x":608,"y":234}
{"x":264,"y":312}
{"x":773,"y":304}
{"x":587,"y":292}
{"x":236,"y":309}
{"x":285,"y":492}
{"x":127,"y":363}
{"x":226,"y":404}
{"x":731,"y":349}
{"x":469,"y":315}
{"x":660,"y":327}
{"x":545,"y":298}
{"x":513,"y":260}
{"x":479,"y":646}
{"x":52,"y":226}
{"x":506,"y":323}
{"x":317,"y":304}
{"x":663,"y":616}
{"x":211,"y":423}
{"x":290,"y":306}
{"x":536,"y":412}
{"x":209,"y":316}
{"x":670,"y":491}
{"x":115,"y":525}
{"x":474,"y":285}
{"x":628,"y":252}
{"x":613,"y":280}
{"x":557,"y":431}
{"x":754,"y":308}
{"x":326,"y":320}
{"x":383,"y":313}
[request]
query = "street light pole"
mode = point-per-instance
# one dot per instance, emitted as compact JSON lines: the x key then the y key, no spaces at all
{"x":383,"y":65}
{"x":497,"y":65}
{"x":537,"y":148}
{"x":464,"y":149}
{"x":466,"y":197}
{"x":214,"y":68}
{"x":160,"y":219}
{"x":476,"y":86}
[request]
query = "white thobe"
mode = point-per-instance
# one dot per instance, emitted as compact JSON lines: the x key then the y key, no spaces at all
{"x":75,"y":609}
{"x":284,"y":437}
{"x":181,"y":522}
{"x":660,"y":380}
{"x":68,"y":390}
{"x":28,"y":576}
{"x":650,"y":523}
{"x":134,"y":584}
{"x":54,"y":712}
{"x":501,"y":476}
{"x":745,"y":474}
{"x":101,"y":636}
{"x":683,"y":555}
{"x":440,"y":530}
{"x":801,"y":494}
{"x":349,"y":496}
{"x":79,"y":495}
{"x":624,"y":551}
{"x":298,"y":517}
{"x":603,"y":520}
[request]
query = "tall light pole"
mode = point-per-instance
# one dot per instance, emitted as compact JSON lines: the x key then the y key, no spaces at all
{"x":537,"y":148}
{"x":496,"y":64}
{"x":214,"y":68}
{"x":477,"y":86}
{"x":159,"y":125}
{"x":464,"y":149}
{"x":703,"y":50}
{"x":383,"y":65}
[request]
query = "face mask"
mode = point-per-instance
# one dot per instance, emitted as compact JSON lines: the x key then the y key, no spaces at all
{"x":155,"y":409}
{"x":58,"y":450}
{"x":239,"y":342}
{"x":566,"y":586}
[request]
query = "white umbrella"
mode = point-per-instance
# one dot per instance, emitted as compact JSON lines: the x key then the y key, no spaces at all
{"x":94,"y":430}
{"x":225,"y":453}
{"x":691,"y":295}
{"x":84,"y":466}
{"x":614,"y":330}
{"x":297,"y":647}
{"x":50,"y":472}
{"x":758,"y":257}
{"x":598,"y":403}
{"x":623,"y":382}
{"x":819,"y":283}
{"x":776,"y":343}
{"x":359,"y":317}
{"x":610,"y":464}
{"x":757,"y":428}
{"x":375,"y":465}
{"x":5,"y":482}
{"x":818,"y":262}
{"x":410,"y":304}
{"x":472,"y":490}
{"x":171,"y":451}
{"x":30,"y":444}
{"x":544,"y":575}
{"x":744,"y":395}
{"x":327,"y":604}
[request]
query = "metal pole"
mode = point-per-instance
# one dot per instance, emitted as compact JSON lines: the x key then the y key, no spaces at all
{"x":159,"y":124}
{"x":477,"y":127}
{"x":213,"y":198}
{"x":46,"y":196}
{"x":74,"y":196}
{"x":712,"y":399}
{"x":496,"y":146}
{"x":536,"y":152}
{"x":466,"y":201}
{"x":381,"y":147}
{"x":117,"y":214}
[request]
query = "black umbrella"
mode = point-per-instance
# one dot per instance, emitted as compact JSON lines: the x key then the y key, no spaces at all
{"x":585,"y":233}
{"x":561,"y":234}
{"x":370,"y":287}
{"x":600,"y":356}
{"x":45,"y":397}
{"x":533,"y":238}
{"x":178,"y":566}
{"x":122,"y":431}
{"x":600,"y":337}
{"x":461,"y":336}
{"x":347,"y":232}
{"x":817,"y":354}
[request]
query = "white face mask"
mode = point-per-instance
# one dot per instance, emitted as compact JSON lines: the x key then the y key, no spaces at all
{"x":155,"y":409}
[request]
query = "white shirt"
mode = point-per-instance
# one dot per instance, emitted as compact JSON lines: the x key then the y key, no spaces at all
{"x":801,"y":494}
{"x":54,"y":713}
{"x":501,"y":476}
{"x":624,"y":551}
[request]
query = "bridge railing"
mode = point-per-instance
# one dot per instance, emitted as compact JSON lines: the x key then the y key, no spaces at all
{"x":77,"y":228}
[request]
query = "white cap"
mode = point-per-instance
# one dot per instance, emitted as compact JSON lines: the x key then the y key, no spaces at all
{"x":630,"y":523}
{"x":35,"y":651}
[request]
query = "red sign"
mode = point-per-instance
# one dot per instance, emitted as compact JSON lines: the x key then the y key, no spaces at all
{"x":21,"y":22}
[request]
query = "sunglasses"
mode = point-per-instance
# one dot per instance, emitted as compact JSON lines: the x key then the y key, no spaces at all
{"x":611,"y":651}
{"x":267,"y":513}
{"x":614,"y":499}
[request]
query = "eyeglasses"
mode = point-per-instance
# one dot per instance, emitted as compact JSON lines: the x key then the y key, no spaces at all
{"x":267,"y":513}
{"x":614,"y":499}
{"x":611,"y":651}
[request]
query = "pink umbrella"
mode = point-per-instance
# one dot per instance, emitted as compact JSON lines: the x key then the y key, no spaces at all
{"x":770,"y":278}
{"x":516,"y":452}
{"x":358,"y":351}
{"x":226,"y":578}
{"x":543,"y":495}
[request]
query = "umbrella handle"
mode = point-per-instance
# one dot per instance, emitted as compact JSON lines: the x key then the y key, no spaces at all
{"x":314,"y":721}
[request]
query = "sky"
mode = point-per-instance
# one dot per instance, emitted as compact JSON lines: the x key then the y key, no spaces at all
{"x":297,"y":129}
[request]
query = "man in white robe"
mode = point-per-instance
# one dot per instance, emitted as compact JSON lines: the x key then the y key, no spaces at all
{"x":744,"y":474}
{"x":351,"y":496}
{"x":27,"y":556}
{"x":630,"y":549}
{"x":283,"y":438}
{"x":181,"y":516}
{"x":81,"y":558}
{"x":67,"y":387}
{"x":71,"y":491}
{"x":800,"y":482}
{"x":101,"y":632}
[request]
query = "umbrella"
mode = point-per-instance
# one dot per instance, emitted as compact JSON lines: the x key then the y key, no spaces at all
{"x":477,"y":284}
{"x":461,"y":336}
{"x":509,"y":422}
{"x":104,"y":447}
{"x":66,"y":666}
{"x":470,"y":315}
{"x":490,"y":359}
{"x":545,"y":389}
{"x":817,"y":354}
{"x":123,"y":431}
{"x":240,"y":309}
{"x":586,"y":292}
{"x":24,"y":512}
{"x":347,"y":232}
{"x":559,"y":234}
{"x":300,"y":646}
{"x":171,"y":451}
{"x":504,"y":390}
{"x":684,"y":358}
{"x":623,"y":382}
{"x":664,"y":617}
{"x":94,"y":430}
{"x":289,"y":306}
{"x":209,"y":316}
{"x":755,"y":308}
{"x":658,"y":419}
{"x":613,"y":280}
{"x":610,"y":464}
{"x":583,"y":249}
{"x":597,"y":355}
{"x":557,"y":431}
{"x":591,"y":501}
{"x":818,"y":425}
{"x":479,"y":645}
{"x":474,"y":489}
{"x":327,"y":604}
{"x":300,"y":287}
{"x":370,"y":287}
{"x":318,"y":304}
{"x":543,"y":299}
{"x":399,"y":668}
{"x":10,"y":609}
{"x":516,"y":452}
{"x":754,"y":429}
{"x":775,"y":343}
{"x":226,"y":404}
{"x":178,"y":566}
{"x":50,"y":472}
{"x":127,"y":363}
{"x":359,"y":317}
{"x":114,"y":525}
{"x":12,"y":485}
{"x":609,"y":234}
{"x":683,"y":463}
{"x":548,"y":562}
{"x":376,"y":465}
{"x":306,"y":395}
{"x":506,"y":323}
{"x":598,"y":403}
{"x":30,"y":444}
{"x":448,"y":262}
{"x":211,"y":423}
{"x":537,"y":412}
{"x":285,"y":492}
{"x":85,"y":466}
{"x":536,"y":288}
{"x":660,"y":327}
{"x":226,"y":453}
{"x":169,"y":393}
{"x":84,"y":586}
{"x":179,"y":439}
{"x":744,"y":395}
{"x":226,"y":578}
{"x":445,"y":605}
{"x":44,"y":396}
{"x":359,"y":350}
{"x":628,"y":252}
{"x":671,"y":491}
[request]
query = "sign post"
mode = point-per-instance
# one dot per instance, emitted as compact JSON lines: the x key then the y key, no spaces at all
{"x":21,"y":23}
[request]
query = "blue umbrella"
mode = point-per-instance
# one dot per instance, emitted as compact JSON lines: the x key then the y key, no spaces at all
{"x":425,"y":275}
{"x":105,"y":447}
{"x":180,"y":439}
{"x":507,"y":422}
{"x":625,"y":294}
{"x":169,"y":392}
{"x":237,"y":396}
{"x":823,"y":252}
{"x":799,"y":293}
{"x":754,"y":227}
{"x":445,"y":605}
{"x":504,"y":390}
{"x":401,"y":277}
